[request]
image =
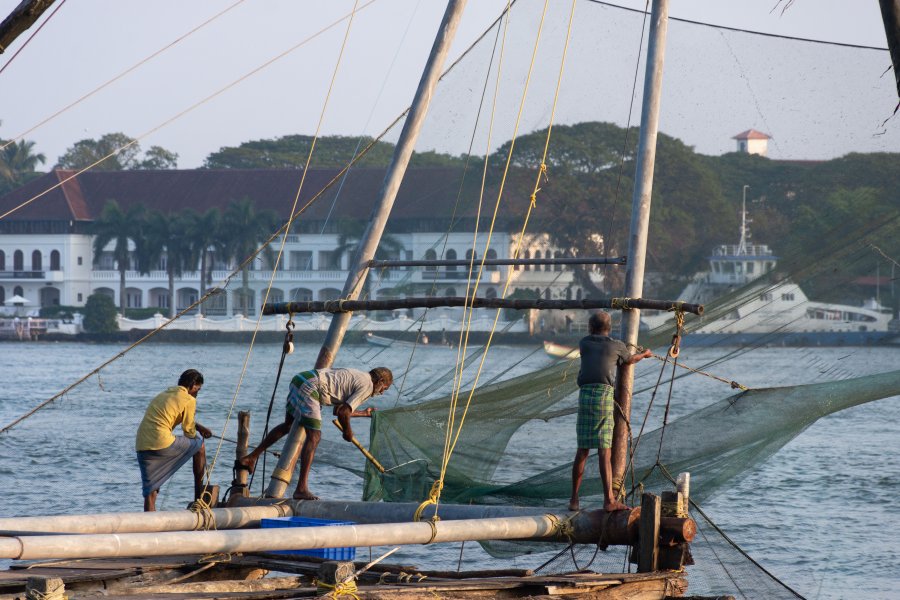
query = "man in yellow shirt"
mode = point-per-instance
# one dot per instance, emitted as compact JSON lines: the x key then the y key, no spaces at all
{"x":159,"y":452}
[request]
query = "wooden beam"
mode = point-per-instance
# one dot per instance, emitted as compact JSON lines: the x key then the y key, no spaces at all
{"x":649,"y":533}
{"x":20,"y":19}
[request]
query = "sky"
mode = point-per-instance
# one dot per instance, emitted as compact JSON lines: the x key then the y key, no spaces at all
{"x":199,"y":94}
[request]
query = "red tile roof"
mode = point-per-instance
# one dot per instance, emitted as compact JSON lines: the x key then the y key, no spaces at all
{"x":426,"y":193}
{"x":752,"y":134}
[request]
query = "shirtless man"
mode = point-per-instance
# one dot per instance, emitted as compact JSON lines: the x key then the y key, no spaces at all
{"x":600,"y":357}
{"x":344,"y":389}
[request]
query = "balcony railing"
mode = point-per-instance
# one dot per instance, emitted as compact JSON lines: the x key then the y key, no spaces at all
{"x":22,"y":274}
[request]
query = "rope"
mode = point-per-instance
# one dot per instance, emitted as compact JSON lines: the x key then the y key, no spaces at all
{"x":189,"y":109}
{"x":338,"y":590}
{"x":117,"y":77}
{"x":286,"y":348}
{"x":31,"y":37}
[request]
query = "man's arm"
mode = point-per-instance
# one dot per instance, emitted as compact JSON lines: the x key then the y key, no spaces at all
{"x":636,"y":358}
{"x":204,"y":431}
{"x":363,"y":413}
{"x":344,"y":412}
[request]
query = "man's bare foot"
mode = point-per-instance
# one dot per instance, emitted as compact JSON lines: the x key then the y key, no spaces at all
{"x":307,"y":495}
{"x":614,"y":505}
{"x":574,"y":505}
{"x":247,"y":462}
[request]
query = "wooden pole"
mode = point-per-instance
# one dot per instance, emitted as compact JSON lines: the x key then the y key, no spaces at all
{"x":640,"y":222}
{"x":243,"y":443}
{"x":359,"y":268}
{"x":649,"y":533}
{"x":348,"y":306}
{"x":402,"y":152}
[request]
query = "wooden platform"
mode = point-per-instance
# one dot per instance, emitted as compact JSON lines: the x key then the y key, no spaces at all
{"x":240,"y":576}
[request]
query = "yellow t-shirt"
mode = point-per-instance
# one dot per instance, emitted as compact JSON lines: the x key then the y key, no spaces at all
{"x":170,"y":408}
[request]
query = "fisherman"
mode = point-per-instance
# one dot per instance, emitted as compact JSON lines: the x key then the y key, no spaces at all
{"x":600,"y":357}
{"x":344,"y":389}
{"x":159,"y":452}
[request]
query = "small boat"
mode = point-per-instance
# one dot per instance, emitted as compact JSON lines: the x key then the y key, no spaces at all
{"x":560,"y":350}
{"x":384,"y":342}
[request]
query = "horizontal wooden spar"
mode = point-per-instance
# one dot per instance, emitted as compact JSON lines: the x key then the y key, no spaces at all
{"x":140,"y":522}
{"x":342,"y":306}
{"x":287,"y":538}
{"x":498,"y":262}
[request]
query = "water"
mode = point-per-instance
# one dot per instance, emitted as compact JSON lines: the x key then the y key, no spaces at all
{"x":820,"y":514}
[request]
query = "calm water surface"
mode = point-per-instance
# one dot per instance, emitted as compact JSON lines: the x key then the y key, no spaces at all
{"x":821,"y":514}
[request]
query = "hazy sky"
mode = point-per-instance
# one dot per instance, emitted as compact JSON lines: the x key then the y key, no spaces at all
{"x":89,"y":42}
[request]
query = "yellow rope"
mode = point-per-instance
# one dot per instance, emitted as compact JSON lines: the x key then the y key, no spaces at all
{"x":450,"y":444}
{"x":287,"y":230}
{"x":188,"y":109}
{"x":338,"y":590}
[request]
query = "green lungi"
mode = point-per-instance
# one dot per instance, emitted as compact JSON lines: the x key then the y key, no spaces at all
{"x":596,"y":402}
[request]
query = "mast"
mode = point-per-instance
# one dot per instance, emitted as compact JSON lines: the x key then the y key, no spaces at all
{"x":640,"y":221}
{"x":369,"y":243}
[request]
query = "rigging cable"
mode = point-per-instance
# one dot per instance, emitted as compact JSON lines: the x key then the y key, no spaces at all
{"x":117,"y":77}
{"x":287,"y":228}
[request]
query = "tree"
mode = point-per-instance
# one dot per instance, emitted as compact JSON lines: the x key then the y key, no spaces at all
{"x":349,"y":236}
{"x":18,"y":161}
{"x":205,"y":235}
{"x":169,"y":233}
{"x":100,"y":314}
{"x":115,"y":152}
{"x":158,"y":158}
{"x":118,"y":226}
{"x":244,"y":229}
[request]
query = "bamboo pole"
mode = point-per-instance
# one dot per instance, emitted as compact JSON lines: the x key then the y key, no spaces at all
{"x":359,"y":268}
{"x":402,"y":152}
{"x":640,"y":222}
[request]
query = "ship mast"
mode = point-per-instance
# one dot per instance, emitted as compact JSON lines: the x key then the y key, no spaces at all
{"x":745,"y":226}
{"x":640,"y":222}
{"x":369,"y":243}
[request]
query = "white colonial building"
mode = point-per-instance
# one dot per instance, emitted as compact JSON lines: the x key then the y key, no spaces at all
{"x":47,"y":255}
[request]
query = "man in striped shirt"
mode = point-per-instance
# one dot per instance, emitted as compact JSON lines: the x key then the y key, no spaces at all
{"x":343,"y":389}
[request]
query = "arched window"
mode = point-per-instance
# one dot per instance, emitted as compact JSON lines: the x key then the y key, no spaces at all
{"x":491,"y":254}
{"x":2,"y":294}
{"x":568,"y":293}
{"x":54,"y":260}
{"x":547,"y":294}
{"x":450,"y":255}
{"x":526,"y":255}
{"x":470,"y":255}
{"x":2,"y":261}
{"x":557,"y":267}
{"x":548,"y":266}
{"x":18,"y":261}
{"x":18,"y":291}
{"x":36,"y":262}
{"x":450,"y":292}
{"x":578,"y":294}
{"x":430,"y":254}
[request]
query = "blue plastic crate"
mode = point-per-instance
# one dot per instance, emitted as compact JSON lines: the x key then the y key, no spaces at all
{"x":344,"y":553}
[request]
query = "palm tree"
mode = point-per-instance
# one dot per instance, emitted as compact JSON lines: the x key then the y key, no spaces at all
{"x":17,"y":160}
{"x":351,"y":232}
{"x":206,"y":236}
{"x":116,"y":225}
{"x":172,"y":233}
{"x":243,"y":229}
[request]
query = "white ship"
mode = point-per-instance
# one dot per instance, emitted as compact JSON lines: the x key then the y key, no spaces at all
{"x":779,"y":313}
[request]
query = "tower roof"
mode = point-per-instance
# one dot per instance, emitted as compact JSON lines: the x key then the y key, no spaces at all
{"x":752,"y":134}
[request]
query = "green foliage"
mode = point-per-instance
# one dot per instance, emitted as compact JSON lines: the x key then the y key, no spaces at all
{"x":18,"y":162}
{"x":334,"y":151}
{"x":115,"y":152}
{"x":100,"y":314}
{"x":59,"y":312}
